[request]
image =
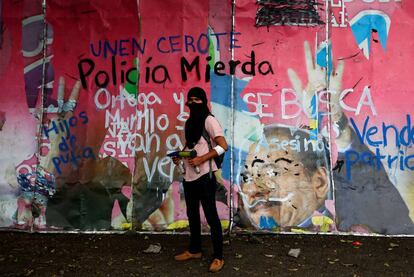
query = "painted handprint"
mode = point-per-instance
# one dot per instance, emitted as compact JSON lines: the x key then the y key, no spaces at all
{"x":38,"y":186}
{"x":319,"y":81}
{"x":59,"y":127}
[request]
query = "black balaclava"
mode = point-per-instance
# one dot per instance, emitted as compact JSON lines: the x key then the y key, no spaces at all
{"x":198,"y":113}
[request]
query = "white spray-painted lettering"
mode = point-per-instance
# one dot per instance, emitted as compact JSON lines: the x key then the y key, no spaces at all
{"x":257,"y":103}
{"x":183,"y":115}
{"x":140,"y":131}
{"x":340,"y":19}
{"x":290,"y":99}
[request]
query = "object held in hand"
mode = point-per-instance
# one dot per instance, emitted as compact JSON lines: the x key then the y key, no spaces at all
{"x":197,"y":169}
{"x":181,"y":167}
{"x":183,"y":154}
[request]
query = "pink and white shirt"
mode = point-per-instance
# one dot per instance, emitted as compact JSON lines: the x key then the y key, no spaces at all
{"x":214,"y":129}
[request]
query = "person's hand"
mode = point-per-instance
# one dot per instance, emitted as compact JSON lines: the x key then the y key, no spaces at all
{"x":176,"y":160}
{"x":196,"y":161}
{"x":317,"y":82}
{"x":65,"y":111}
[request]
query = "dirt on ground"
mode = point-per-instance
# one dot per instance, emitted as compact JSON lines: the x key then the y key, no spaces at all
{"x":25,"y":254}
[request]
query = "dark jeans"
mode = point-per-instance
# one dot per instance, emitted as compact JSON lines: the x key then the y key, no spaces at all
{"x":203,"y":190}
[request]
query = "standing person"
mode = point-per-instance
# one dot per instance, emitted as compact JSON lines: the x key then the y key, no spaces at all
{"x":199,"y":181}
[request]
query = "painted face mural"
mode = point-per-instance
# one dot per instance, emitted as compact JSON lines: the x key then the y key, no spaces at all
{"x":285,"y":179}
